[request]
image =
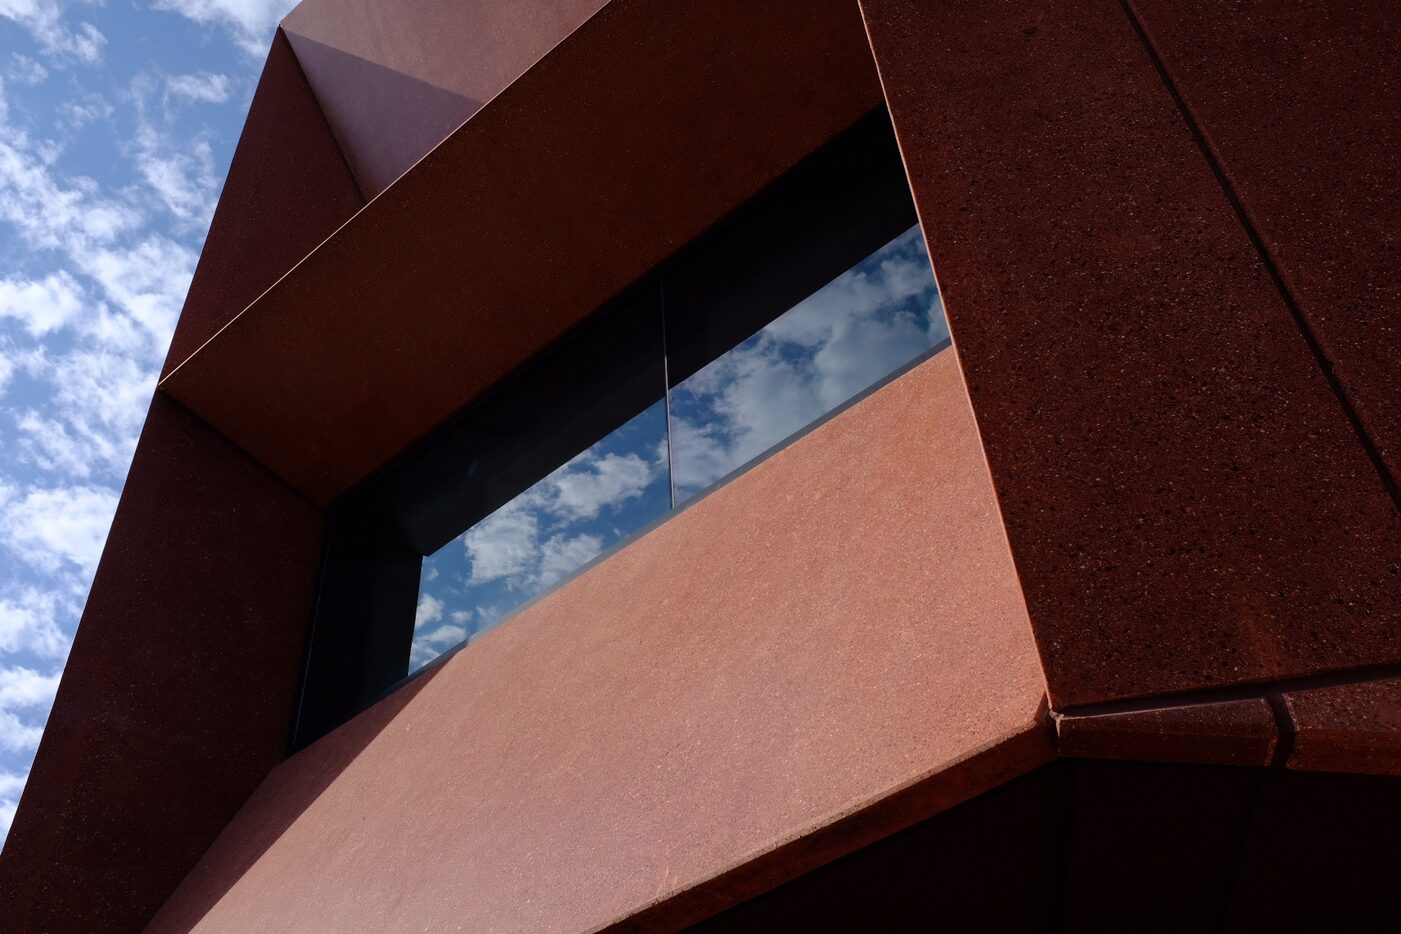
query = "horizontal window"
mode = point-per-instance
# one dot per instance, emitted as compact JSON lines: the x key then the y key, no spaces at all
{"x":805,"y":299}
{"x":544,"y":535}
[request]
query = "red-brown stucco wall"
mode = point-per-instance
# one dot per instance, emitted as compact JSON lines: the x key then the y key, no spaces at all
{"x":839,"y":625}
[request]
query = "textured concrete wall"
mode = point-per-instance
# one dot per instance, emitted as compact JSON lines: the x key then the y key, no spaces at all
{"x":835,"y":631}
{"x":288,"y":188}
{"x":1189,"y":504}
{"x":1300,"y":106}
{"x":396,"y":78}
{"x":586,"y":173}
{"x":179,"y":691}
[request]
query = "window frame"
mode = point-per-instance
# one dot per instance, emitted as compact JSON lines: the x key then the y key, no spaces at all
{"x":380,"y":531}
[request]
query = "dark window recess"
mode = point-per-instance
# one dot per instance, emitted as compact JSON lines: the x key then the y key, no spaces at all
{"x":808,"y":297}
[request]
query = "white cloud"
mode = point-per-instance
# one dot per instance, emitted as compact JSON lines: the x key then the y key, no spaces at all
{"x":445,"y":636}
{"x":70,"y":445}
{"x":504,"y":544}
{"x":101,"y":400}
{"x":11,"y":784}
{"x":429,"y":645}
{"x":42,"y":305}
{"x":855,"y":357}
{"x":588,"y":484}
{"x":143,"y":274}
{"x":30,"y":621}
{"x":702,"y":455}
{"x":147,"y":280}
{"x":511,"y":545}
{"x":7,"y":370}
{"x":176,"y":166}
{"x":7,"y":815}
{"x":249,"y":23}
{"x":110,"y":388}
{"x":826,"y":349}
{"x":43,"y":19}
{"x":53,"y":214}
{"x":77,"y":112}
{"x":181,"y":176}
{"x":25,"y":70}
{"x":25,"y":687}
{"x":202,"y":87}
{"x":430,"y":610}
{"x":429,"y":639}
{"x":57,"y":528}
{"x":18,"y":736}
{"x":563,"y":555}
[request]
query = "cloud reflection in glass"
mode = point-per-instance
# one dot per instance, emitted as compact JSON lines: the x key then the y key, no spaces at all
{"x":869,"y":322}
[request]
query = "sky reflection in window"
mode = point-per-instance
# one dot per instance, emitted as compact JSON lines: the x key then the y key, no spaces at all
{"x":867,"y":323}
{"x":542,"y":536}
{"x":864,"y":325}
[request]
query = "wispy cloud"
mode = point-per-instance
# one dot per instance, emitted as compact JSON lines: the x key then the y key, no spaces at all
{"x":543,"y":535}
{"x":70,"y":214}
{"x":429,"y":610}
{"x":249,"y":23}
{"x":109,"y":170}
{"x":562,"y":555}
{"x":203,"y":87}
{"x":25,"y":70}
{"x":588,"y":484}
{"x":51,"y":529}
{"x":505,"y":545}
{"x":30,"y":622}
{"x":527,"y":543}
{"x":23,"y":689}
{"x":16,"y":735}
{"x":45,"y":22}
{"x":11,"y":784}
{"x":861,"y":326}
{"x":41,"y":305}
{"x":430,"y":642}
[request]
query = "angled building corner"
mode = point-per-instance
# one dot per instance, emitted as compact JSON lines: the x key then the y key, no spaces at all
{"x":1062,"y":595}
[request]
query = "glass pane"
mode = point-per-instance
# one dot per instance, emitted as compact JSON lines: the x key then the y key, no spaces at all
{"x":543,"y":535}
{"x":869,"y":322}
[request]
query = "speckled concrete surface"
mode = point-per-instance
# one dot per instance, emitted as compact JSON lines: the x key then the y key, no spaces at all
{"x":1348,"y":728}
{"x":1301,"y":102}
{"x":288,"y":189}
{"x":1241,"y":732}
{"x":395,"y":79}
{"x":1187,"y":503}
{"x":588,"y":171}
{"x":838,"y":624}
{"x":179,"y":690}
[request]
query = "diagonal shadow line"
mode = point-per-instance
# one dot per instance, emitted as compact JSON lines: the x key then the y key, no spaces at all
{"x":1267,"y":259}
{"x":383,"y":119}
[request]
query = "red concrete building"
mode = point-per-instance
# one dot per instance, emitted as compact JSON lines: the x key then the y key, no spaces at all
{"x":1090,"y":622}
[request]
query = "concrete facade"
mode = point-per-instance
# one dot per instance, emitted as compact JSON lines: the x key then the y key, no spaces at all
{"x":1093,"y":623}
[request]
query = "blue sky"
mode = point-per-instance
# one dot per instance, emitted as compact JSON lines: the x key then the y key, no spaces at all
{"x":117,"y":123}
{"x":867,"y":323}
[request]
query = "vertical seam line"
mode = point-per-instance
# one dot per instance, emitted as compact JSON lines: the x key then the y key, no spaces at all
{"x":1287,"y":729}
